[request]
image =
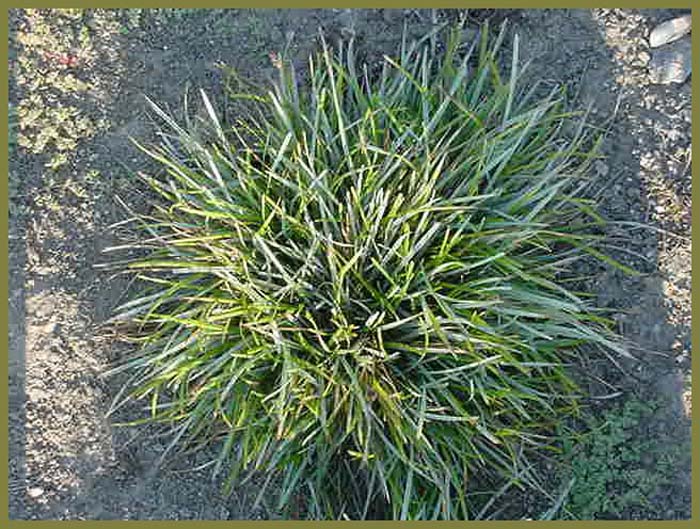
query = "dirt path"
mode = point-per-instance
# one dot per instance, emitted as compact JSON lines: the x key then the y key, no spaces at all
{"x":602,"y":56}
{"x":66,"y":460}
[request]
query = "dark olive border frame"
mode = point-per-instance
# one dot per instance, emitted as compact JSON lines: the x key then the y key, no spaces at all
{"x":695,"y":285}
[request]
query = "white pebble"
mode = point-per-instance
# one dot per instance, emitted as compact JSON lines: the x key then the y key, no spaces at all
{"x":35,"y":492}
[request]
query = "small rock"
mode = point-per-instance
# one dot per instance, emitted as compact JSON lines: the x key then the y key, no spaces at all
{"x":669,"y":31}
{"x":601,"y":168}
{"x":632,"y":192}
{"x":643,"y":57}
{"x":348,"y":32}
{"x":671,"y":64}
{"x":35,"y":492}
{"x":646,"y":162}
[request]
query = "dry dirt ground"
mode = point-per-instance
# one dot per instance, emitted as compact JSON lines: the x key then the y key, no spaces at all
{"x":77,"y":85}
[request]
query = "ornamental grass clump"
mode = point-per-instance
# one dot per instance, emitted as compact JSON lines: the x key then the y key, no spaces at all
{"x":357,"y":289}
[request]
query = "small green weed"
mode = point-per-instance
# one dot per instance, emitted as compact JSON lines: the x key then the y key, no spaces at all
{"x":618,"y":467}
{"x":14,"y":187}
{"x":57,"y":53}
